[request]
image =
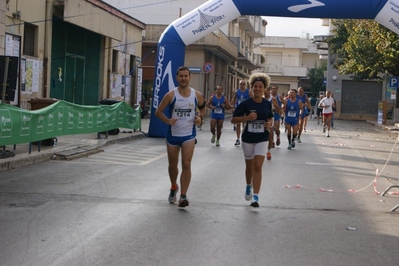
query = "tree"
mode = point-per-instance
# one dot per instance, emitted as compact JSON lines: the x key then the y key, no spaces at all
{"x":364,"y":48}
{"x":316,"y":78}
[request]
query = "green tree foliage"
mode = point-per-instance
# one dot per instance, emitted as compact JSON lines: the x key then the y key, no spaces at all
{"x":316,"y":78}
{"x":364,"y":48}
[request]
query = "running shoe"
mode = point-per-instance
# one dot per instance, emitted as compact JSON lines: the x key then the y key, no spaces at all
{"x":248,"y":192}
{"x":273,"y":145}
{"x":293,"y":144}
{"x":278,"y":142}
{"x":254,"y":202}
{"x":234,"y":128}
{"x":237,"y":142}
{"x":269,"y":156}
{"x":289,"y":147}
{"x":183,"y":202}
{"x":299,"y":140}
{"x":217,"y":143}
{"x":172,"y":194}
{"x":213,"y":139}
{"x":324,"y":129}
{"x":328,"y":134}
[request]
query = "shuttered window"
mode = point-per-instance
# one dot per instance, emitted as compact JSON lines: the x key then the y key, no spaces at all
{"x":29,"y":39}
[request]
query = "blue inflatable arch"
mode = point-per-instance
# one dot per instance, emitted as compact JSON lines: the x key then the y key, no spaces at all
{"x":216,"y":13}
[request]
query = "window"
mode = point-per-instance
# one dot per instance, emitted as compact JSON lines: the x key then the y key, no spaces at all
{"x":29,"y":39}
{"x":115,"y":61}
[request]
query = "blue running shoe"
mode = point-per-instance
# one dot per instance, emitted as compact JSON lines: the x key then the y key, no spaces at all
{"x":293,"y":144}
{"x":289,"y":147}
{"x":248,"y":193}
{"x":254,"y":202}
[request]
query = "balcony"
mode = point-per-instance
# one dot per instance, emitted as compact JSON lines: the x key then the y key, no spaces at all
{"x":254,"y":26}
{"x":220,"y":44}
{"x":295,"y":71}
{"x":282,"y":42}
{"x":286,"y":71}
{"x":245,"y":54}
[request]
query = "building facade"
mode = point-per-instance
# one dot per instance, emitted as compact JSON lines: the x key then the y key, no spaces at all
{"x":228,"y":49}
{"x":287,"y":60}
{"x":79,"y":51}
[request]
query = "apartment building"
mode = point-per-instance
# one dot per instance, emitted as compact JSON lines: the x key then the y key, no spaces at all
{"x":79,"y":51}
{"x":228,"y":50}
{"x":288,"y":60}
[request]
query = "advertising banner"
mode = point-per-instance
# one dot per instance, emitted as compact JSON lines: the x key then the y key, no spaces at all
{"x":215,"y":13}
{"x":63,"y":118}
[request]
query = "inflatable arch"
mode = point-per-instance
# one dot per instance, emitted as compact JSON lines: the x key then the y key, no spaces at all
{"x":216,"y":13}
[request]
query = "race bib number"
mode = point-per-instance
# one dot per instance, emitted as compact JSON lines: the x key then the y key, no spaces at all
{"x":218,"y":110}
{"x":256,"y":126}
{"x":183,"y":114}
{"x":291,"y":114}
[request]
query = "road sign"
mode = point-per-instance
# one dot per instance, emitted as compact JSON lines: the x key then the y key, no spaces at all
{"x":195,"y":69}
{"x":208,"y":67}
{"x":394,"y":82}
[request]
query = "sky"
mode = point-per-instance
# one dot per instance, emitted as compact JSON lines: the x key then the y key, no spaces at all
{"x":294,"y":27}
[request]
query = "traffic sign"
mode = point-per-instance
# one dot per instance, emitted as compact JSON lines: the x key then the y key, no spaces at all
{"x":195,"y":69}
{"x":208,"y":67}
{"x":394,"y":82}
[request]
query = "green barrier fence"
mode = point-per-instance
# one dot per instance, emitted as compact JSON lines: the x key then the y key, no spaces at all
{"x":63,"y":118}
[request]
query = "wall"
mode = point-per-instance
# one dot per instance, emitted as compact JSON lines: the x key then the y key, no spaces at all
{"x":2,"y":25}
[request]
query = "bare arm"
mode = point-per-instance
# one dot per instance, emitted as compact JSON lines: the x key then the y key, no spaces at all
{"x":307,"y":101}
{"x":209,"y":103}
{"x":301,"y":106}
{"x":167,"y":99}
{"x":241,"y":119}
{"x":276,"y":106}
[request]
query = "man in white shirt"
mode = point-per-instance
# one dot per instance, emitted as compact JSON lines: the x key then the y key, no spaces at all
{"x":327,"y":103}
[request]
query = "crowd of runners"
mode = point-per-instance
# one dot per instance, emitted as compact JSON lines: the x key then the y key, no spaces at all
{"x":290,"y":111}
{"x":257,"y":108}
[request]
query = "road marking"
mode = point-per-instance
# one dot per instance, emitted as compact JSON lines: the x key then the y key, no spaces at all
{"x":314,"y":163}
{"x":126,"y":155}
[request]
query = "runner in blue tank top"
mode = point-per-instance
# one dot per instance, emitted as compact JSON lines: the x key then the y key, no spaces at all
{"x":306,"y":103}
{"x":277,"y":115}
{"x":241,"y":94}
{"x":275,"y":108}
{"x":217,"y":103}
{"x":292,"y":110}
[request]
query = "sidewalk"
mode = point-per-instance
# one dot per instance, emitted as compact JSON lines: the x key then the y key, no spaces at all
{"x":68,"y":147}
{"x":74,"y":146}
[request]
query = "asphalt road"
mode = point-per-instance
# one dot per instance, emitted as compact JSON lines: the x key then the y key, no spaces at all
{"x":111,"y":208}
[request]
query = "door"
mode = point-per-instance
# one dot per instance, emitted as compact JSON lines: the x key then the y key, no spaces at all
{"x":74,"y":82}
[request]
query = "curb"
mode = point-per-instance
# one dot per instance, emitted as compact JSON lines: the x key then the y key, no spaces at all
{"x":69,"y":153}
